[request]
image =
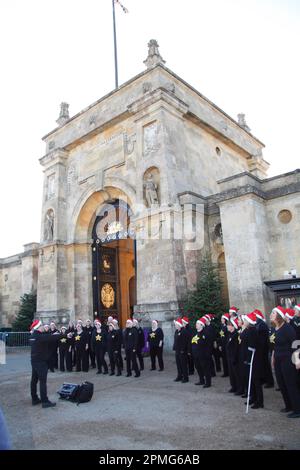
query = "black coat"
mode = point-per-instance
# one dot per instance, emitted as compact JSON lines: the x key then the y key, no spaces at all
{"x":80,"y":341}
{"x":64,"y":342}
{"x":250,"y":339}
{"x":114,"y":340}
{"x":284,"y":338}
{"x":201,"y":346}
{"x":181,"y":341}
{"x":154,"y":338}
{"x":232,"y":348}
{"x":131,"y":338}
{"x":42,"y":345}
{"x":99,"y":340}
{"x":141,"y":337}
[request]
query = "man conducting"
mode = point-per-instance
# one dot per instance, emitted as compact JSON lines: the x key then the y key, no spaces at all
{"x":40,"y":350}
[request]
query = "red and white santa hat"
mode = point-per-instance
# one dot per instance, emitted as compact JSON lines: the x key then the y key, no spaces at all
{"x":235,"y":323}
{"x":280,"y":310}
{"x":178,"y":322}
{"x":185,"y":321}
{"x":35,"y":325}
{"x":155,"y":321}
{"x":211,"y":316}
{"x":289,"y":313}
{"x":129,"y":321}
{"x":202,"y":321}
{"x":259,"y":314}
{"x":226,"y":316}
{"x":250,"y":318}
{"x":206,"y":317}
{"x":233,"y":310}
{"x":297,"y":307}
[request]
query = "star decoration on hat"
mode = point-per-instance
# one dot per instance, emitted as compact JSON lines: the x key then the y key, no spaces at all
{"x":152,"y":335}
{"x":272,"y":338}
{"x":77,"y":338}
{"x":63,"y":340}
{"x":98,"y":338}
{"x":222,"y":334}
{"x":195,"y":339}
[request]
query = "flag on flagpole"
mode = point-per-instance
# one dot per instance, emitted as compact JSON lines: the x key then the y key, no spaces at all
{"x":122,"y":6}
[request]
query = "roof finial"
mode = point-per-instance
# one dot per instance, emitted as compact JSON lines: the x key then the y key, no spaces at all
{"x":64,"y":114}
{"x":154,"y":57}
{"x":242,"y":122}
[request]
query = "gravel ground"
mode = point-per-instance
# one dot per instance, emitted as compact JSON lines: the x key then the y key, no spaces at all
{"x":151,"y":412}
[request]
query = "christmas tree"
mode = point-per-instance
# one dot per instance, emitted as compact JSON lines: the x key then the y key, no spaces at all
{"x":206,"y":297}
{"x":26,"y":312}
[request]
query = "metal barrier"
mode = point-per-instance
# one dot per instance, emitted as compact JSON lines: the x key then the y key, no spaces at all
{"x":16,"y":339}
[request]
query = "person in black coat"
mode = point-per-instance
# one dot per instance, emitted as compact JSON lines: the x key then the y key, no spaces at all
{"x":40,"y":343}
{"x":201,"y":351}
{"x":130,"y":345}
{"x":181,"y":346}
{"x":251,"y":342}
{"x":141,"y":343}
{"x":99,"y":347}
{"x":285,"y":370}
{"x":81,"y":343}
{"x":212,"y":335}
{"x":263,"y":337}
{"x":65,"y":350}
{"x":89,"y":332}
{"x":53,"y":356}
{"x":222,"y":341}
{"x":232,"y":352}
{"x":114,"y":344}
{"x":156,"y":343}
{"x":189,"y":331}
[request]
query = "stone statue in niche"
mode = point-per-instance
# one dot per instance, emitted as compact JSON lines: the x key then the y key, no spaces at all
{"x":49,"y":226}
{"x":151,"y":143}
{"x":151,"y":191}
{"x":219,"y":234}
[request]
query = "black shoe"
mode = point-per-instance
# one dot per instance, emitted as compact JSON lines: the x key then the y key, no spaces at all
{"x":112,"y":373}
{"x":118,"y":374}
{"x":160,"y":370}
{"x":269,"y":386}
{"x":294,"y":415}
{"x":238,"y":394}
{"x":244,"y":395}
{"x":105,"y":372}
{"x":52,"y":370}
{"x":152,"y":368}
{"x":256,"y":406}
{"x":199,"y":383}
{"x":251,"y":402}
{"x":231,"y":390}
{"x":93,"y":366}
{"x":184,"y":381}
{"x":99,"y":372}
{"x":36,"y":401}
{"x":224,"y":375}
{"x":178,"y":379}
{"x":48,"y":404}
{"x":277,"y":389}
{"x":128,"y":375}
{"x":206,"y":386}
{"x":137,"y":375}
{"x":285,"y":410}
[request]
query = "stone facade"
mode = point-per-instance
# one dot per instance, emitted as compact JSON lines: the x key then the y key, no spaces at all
{"x":156,"y":139}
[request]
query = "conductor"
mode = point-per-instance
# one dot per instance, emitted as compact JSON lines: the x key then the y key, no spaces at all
{"x":40,"y":342}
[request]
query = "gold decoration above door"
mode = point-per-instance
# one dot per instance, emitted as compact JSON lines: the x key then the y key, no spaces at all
{"x":107,"y":295}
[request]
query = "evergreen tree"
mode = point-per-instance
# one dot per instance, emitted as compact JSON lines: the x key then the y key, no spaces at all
{"x":206,"y":298}
{"x":26,"y":313}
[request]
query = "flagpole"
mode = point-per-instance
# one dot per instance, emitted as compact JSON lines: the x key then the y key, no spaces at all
{"x":115,"y":44}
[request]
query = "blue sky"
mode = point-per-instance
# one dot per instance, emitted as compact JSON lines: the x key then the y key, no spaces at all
{"x":242,"y":55}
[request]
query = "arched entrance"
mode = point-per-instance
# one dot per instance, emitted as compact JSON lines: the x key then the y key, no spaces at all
{"x":113,"y":262}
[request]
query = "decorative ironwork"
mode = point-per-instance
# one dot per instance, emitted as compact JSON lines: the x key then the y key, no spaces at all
{"x":107,"y":295}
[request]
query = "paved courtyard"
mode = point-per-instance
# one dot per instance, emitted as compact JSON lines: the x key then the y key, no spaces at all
{"x":147,"y":413}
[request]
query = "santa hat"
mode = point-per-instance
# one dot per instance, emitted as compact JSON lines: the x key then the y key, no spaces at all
{"x":178,"y":322}
{"x":135,"y":321}
{"x":211,"y":316}
{"x":206,"y":317}
{"x":297,"y":307}
{"x":155,"y":321}
{"x":234,"y":322}
{"x":35,"y":325}
{"x":259,"y":314}
{"x":129,"y":321}
{"x":280,"y":310}
{"x":185,"y":320}
{"x":202,"y":321}
{"x":233,"y":309}
{"x":226,"y":316}
{"x":250,"y":318}
{"x":289,"y":313}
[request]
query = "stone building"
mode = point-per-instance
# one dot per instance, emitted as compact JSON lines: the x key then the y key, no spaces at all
{"x":137,"y":187}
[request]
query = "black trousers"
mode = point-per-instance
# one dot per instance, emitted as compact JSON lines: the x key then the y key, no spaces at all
{"x":268,"y":379}
{"x":82,"y":360}
{"x":286,"y":376}
{"x":234,"y":376}
{"x":191,"y":367}
{"x":182,"y":366}
{"x":131,"y":362}
{"x":114,"y":360}
{"x":65,"y":360}
{"x":140,"y":358}
{"x":156,"y":352}
{"x":199,"y":370}
{"x":217,"y":358}
{"x":92,"y":356}
{"x":225,"y":363}
{"x":205,"y":367}
{"x":39,"y":374}
{"x":100,"y":359}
